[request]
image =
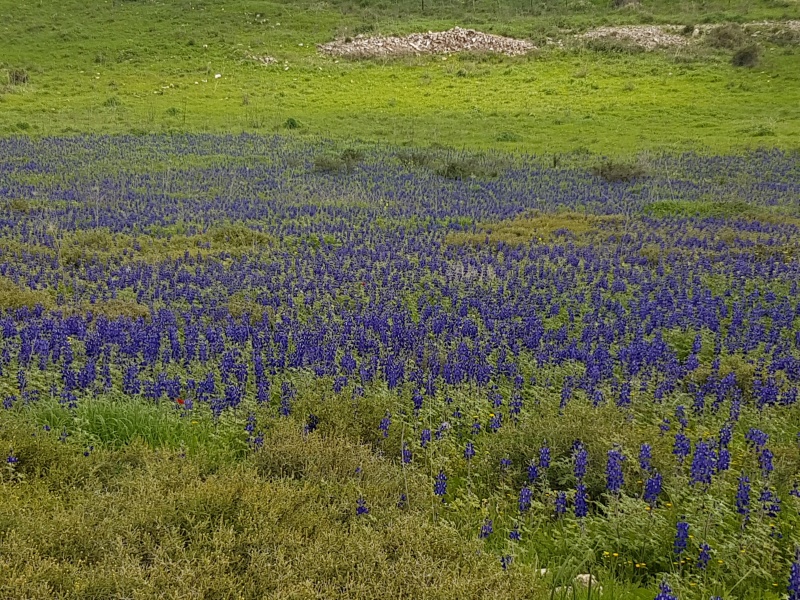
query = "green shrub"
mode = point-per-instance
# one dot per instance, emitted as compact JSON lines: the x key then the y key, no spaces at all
{"x":469,"y":167}
{"x":509,"y":136}
{"x":726,"y":37}
{"x":292,"y":123}
{"x":328,"y":163}
{"x":613,"y":171}
{"x":747,"y":56}
{"x":417,"y":158}
{"x":613,"y":45}
{"x":17,"y":76}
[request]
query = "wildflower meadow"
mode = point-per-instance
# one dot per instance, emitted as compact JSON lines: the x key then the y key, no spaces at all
{"x":213,"y":347}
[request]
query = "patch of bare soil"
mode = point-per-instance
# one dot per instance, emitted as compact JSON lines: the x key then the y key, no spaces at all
{"x":433,"y":42}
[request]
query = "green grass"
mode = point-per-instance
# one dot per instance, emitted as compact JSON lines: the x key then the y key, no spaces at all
{"x":132,"y":67}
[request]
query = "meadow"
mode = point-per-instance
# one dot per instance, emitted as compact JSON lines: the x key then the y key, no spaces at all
{"x":150,"y":67}
{"x":482,"y":327}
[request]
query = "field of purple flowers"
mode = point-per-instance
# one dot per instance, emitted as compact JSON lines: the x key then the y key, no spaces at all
{"x":558,"y":368}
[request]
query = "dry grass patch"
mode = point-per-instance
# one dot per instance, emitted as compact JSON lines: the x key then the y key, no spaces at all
{"x":541,"y":227}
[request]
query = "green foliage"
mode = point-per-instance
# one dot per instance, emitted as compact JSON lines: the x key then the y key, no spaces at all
{"x":616,"y":171}
{"x":726,"y":37}
{"x":292,"y":123}
{"x":135,"y":521}
{"x":747,"y":56}
{"x":411,"y":101}
{"x":508,"y":136}
{"x":17,"y":76}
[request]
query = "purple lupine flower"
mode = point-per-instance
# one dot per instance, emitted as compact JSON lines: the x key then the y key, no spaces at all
{"x":544,"y":457}
{"x":703,"y":463}
{"x":425,"y":438}
{"x":505,"y":561}
{"x":385,"y":423}
{"x":11,"y":459}
{"x":514,"y":535}
{"x":765,"y":461}
{"x":645,"y":457}
{"x":486,"y":529}
{"x":756,"y":438}
{"x":614,"y":477}
{"x":533,"y":472}
{"x":469,"y":451}
{"x":665,"y":592}
{"x":405,"y":453}
{"x":770,"y":502}
{"x":682,"y":447}
{"x":440,"y":487}
{"x":496,"y":422}
{"x":680,"y":415}
{"x":652,"y":489}
{"x":681,"y":537}
{"x":505,"y":463}
{"x":581,"y":505}
{"x":581,"y":460}
{"x":664,"y":427}
{"x":312,"y":422}
{"x":743,"y":496}
{"x":704,"y":556}
{"x":795,"y":491}
{"x":561,"y":504}
{"x":525,"y":497}
{"x":723,"y":460}
{"x":361,"y":507}
{"x":794,"y":577}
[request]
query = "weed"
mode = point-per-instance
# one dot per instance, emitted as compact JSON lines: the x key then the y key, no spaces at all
{"x":112,"y":102}
{"x":509,"y":136}
{"x":17,"y":76}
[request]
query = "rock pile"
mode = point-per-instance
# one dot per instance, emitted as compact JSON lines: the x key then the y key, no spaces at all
{"x":433,"y":42}
{"x":649,"y":37}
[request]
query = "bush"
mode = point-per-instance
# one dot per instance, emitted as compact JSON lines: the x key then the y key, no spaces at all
{"x":417,"y":158}
{"x":747,"y":56}
{"x":613,"y":45}
{"x":17,"y":76}
{"x":614,"y":172}
{"x":292,"y":123}
{"x":465,"y":168}
{"x":509,"y":136}
{"x":344,"y":161}
{"x":726,"y":37}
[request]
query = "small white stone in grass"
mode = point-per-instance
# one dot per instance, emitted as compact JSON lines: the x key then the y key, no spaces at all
{"x":217,"y":76}
{"x":585,"y":578}
{"x":542,"y":572}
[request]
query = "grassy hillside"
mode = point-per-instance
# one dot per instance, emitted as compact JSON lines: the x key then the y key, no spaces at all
{"x":152,"y":67}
